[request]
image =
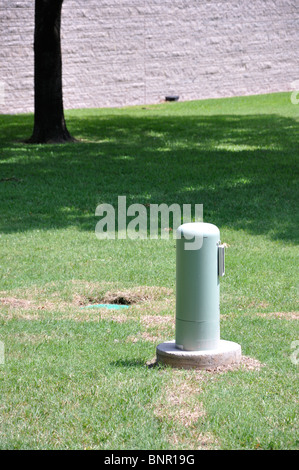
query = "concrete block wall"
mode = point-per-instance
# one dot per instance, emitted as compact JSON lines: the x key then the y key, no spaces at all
{"x":126,"y":52}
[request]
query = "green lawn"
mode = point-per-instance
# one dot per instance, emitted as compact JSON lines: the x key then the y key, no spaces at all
{"x":76,"y":378}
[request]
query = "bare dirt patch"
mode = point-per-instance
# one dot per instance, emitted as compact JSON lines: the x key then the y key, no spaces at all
{"x":15,"y":303}
{"x":20,"y":305}
{"x":157,"y":327}
{"x":180,"y":405}
{"x":68,"y":299}
{"x":135,"y":295}
{"x":246,"y":362}
{"x":141,"y":299}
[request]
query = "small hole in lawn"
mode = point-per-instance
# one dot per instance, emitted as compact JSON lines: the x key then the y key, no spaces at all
{"x":121,"y":301}
{"x":127,"y":297}
{"x":114,"y":299}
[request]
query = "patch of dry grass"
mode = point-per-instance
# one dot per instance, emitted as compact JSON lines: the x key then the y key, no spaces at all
{"x":68,"y":300}
{"x":180,"y":403}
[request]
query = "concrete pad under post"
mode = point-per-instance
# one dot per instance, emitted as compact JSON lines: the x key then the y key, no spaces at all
{"x":227,"y":353}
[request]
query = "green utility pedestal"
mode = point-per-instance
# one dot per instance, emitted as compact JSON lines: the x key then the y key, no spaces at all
{"x":199,"y":267}
{"x":198,"y":256}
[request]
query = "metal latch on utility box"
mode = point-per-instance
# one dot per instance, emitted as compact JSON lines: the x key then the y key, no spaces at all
{"x":221,"y":260}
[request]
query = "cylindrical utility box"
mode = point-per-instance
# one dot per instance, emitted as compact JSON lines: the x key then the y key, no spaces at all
{"x":199,"y":264}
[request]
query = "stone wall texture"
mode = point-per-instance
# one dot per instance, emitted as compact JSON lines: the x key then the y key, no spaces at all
{"x":127,"y":52}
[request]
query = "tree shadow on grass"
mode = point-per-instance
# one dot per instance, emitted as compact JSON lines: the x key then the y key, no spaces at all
{"x":242,"y":168}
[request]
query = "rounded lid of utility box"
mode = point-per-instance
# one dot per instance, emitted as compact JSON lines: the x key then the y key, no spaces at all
{"x":196,"y":229}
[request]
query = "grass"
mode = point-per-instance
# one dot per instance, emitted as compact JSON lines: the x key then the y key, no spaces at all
{"x":75,"y":378}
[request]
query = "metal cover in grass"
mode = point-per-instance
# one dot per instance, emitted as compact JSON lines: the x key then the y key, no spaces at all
{"x":111,"y":306}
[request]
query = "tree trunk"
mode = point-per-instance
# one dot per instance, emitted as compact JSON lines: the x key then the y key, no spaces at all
{"x":49,"y":122}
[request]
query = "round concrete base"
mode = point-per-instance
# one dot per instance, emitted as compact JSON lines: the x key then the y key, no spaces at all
{"x":227,"y":353}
